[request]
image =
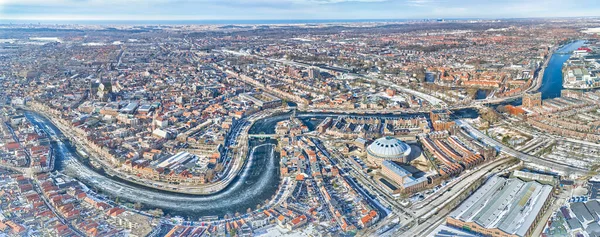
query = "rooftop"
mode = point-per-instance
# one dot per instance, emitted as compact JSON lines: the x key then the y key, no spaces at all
{"x":389,"y":147}
{"x":510,"y":205}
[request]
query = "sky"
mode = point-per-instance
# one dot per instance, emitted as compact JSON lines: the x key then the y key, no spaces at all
{"x":290,"y":9}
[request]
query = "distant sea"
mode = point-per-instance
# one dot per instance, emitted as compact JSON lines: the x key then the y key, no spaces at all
{"x":204,"y":22}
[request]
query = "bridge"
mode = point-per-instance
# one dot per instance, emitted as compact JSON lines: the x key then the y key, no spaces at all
{"x":564,"y":53}
{"x":59,"y":138}
{"x":265,"y":135}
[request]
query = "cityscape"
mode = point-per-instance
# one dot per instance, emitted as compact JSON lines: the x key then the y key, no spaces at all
{"x":423,"y":126}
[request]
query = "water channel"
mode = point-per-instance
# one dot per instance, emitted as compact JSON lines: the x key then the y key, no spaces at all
{"x":552,"y":81}
{"x":259,"y":179}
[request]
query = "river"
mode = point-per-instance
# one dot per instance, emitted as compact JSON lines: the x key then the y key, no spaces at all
{"x":259,"y":179}
{"x":552,"y":80}
{"x":257,"y":183}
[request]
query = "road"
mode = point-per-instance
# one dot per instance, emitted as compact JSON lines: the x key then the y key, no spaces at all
{"x":232,"y":167}
{"x":368,"y":189}
{"x":257,"y":177}
{"x":335,"y":161}
{"x":14,"y":135}
{"x":427,"y":209}
{"x":551,"y":165}
{"x":56,"y":213}
{"x":434,"y":212}
{"x":432,"y":100}
{"x":447,"y":193}
{"x":436,"y":102}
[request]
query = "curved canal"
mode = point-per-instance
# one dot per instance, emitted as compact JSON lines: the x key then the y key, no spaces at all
{"x":259,"y":180}
{"x":257,"y":183}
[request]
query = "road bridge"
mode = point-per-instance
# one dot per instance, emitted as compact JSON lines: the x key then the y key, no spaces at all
{"x":564,"y":53}
{"x":265,"y":135}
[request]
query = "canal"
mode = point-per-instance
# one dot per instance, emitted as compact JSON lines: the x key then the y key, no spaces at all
{"x":259,"y":180}
{"x":257,"y":183}
{"x":552,"y":80}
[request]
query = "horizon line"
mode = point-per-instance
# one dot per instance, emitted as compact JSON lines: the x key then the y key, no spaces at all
{"x":339,"y":20}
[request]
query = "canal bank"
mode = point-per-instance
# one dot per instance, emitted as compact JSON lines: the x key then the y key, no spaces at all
{"x":257,"y":184}
{"x":553,"y":77}
{"x":259,"y":180}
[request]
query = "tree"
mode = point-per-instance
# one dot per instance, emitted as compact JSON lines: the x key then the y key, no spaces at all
{"x":219,"y":167}
{"x":157,"y":213}
{"x":505,"y":139}
{"x":502,"y":109}
{"x":489,"y":115}
{"x":210,"y":175}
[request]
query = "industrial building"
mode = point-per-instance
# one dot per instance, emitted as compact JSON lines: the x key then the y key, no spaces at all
{"x":263,"y":100}
{"x":177,"y":160}
{"x":404,"y":178}
{"x":503,"y":207}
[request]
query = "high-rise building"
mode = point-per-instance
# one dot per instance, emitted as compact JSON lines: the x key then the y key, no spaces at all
{"x":532,"y":100}
{"x":314,"y":73}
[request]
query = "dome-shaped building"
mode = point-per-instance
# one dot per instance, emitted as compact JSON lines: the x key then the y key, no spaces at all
{"x":387,"y":148}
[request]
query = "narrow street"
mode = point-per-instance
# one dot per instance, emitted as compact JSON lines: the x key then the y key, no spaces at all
{"x":38,"y":190}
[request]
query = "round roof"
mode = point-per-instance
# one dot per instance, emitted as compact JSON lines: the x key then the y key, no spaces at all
{"x":389,"y":147}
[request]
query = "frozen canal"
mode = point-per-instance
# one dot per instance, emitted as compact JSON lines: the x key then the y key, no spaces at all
{"x":257,"y":182}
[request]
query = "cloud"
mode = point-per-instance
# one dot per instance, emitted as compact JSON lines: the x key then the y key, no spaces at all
{"x":340,"y":1}
{"x":188,"y":2}
{"x":419,"y":3}
{"x":290,"y":9}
